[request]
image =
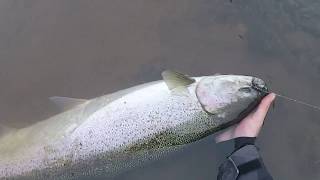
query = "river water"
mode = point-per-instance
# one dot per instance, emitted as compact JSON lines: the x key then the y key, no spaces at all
{"x":81,"y":48}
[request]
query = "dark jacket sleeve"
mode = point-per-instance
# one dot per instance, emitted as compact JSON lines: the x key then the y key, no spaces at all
{"x":245,"y":163}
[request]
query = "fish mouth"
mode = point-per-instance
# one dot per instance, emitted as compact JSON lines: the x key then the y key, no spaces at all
{"x":260,"y":86}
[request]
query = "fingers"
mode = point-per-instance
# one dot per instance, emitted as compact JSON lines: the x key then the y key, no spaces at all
{"x":264,"y":106}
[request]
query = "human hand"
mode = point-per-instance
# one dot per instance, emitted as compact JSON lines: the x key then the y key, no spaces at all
{"x":251,"y":125}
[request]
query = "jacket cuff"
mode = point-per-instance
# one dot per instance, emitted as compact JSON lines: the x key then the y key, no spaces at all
{"x":244,"y":163}
{"x":240,"y":142}
{"x":246,"y":159}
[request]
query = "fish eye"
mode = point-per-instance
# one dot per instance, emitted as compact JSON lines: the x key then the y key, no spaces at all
{"x":245,"y":89}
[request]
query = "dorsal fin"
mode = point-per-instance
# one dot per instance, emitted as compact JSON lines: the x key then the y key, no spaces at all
{"x":175,"y":79}
{"x":65,"y":103}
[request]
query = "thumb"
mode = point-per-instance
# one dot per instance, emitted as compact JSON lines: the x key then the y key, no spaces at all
{"x":264,"y":106}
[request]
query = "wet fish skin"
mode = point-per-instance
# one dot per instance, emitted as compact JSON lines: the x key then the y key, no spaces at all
{"x":109,"y":134}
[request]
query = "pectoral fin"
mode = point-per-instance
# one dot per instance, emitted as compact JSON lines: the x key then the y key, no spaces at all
{"x":65,"y":103}
{"x":175,"y":79}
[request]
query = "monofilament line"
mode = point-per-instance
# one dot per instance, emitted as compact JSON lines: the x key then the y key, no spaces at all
{"x":294,"y":100}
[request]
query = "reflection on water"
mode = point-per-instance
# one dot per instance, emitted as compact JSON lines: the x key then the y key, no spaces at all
{"x":89,"y":48}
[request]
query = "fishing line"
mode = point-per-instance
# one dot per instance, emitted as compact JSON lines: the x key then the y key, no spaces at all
{"x":293,"y":100}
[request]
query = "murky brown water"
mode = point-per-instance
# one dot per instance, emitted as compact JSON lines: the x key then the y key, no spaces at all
{"x":84,"y":49}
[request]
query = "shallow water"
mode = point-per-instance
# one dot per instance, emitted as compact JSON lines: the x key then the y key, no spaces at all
{"x":84,"y":49}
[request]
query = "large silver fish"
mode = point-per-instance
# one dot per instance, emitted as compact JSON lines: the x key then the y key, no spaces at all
{"x":106,"y":135}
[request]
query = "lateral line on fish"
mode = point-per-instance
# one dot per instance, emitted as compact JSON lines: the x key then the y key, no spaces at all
{"x":293,"y":100}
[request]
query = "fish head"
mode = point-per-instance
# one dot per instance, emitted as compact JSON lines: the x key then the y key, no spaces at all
{"x":229,"y":98}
